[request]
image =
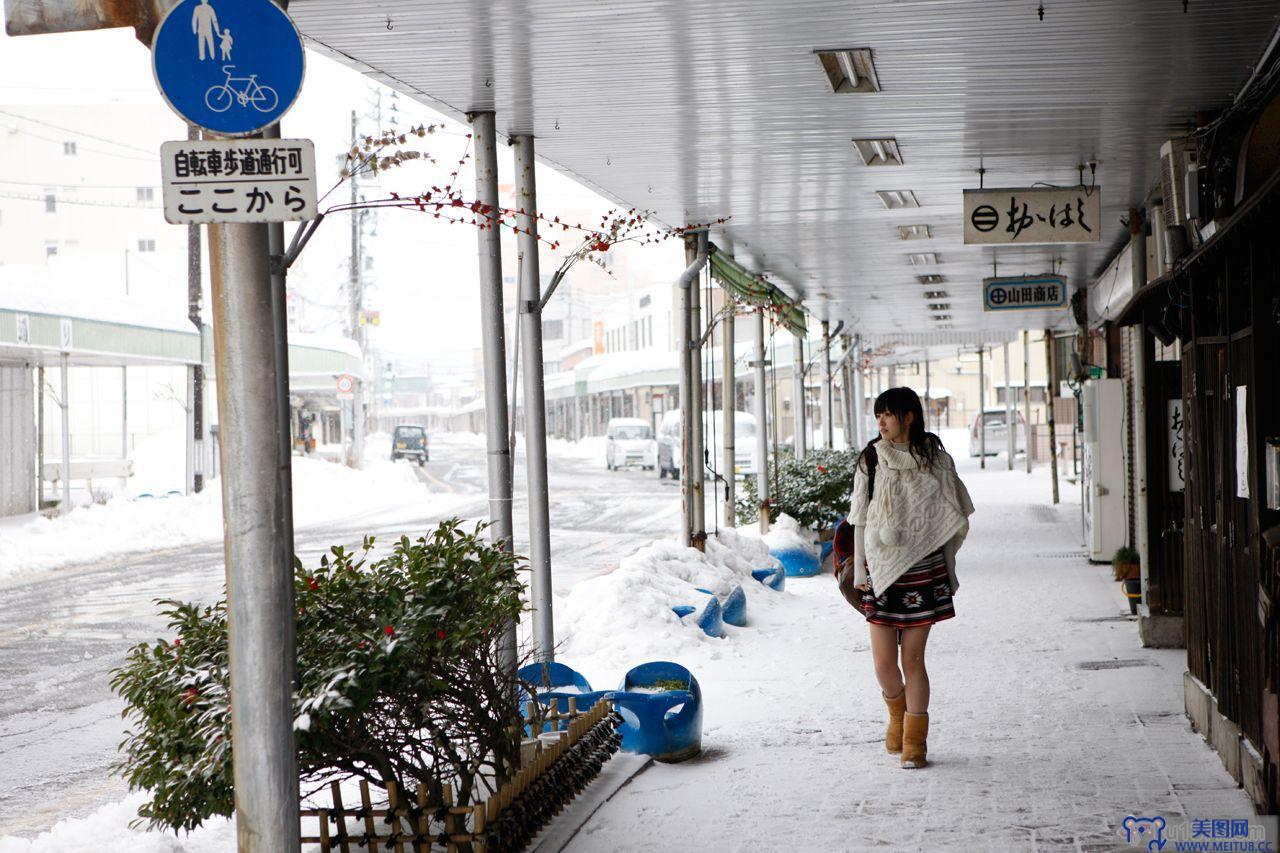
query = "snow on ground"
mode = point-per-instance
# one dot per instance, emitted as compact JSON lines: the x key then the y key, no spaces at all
{"x":1028,"y":750}
{"x":589,"y":447}
{"x":323,"y":492}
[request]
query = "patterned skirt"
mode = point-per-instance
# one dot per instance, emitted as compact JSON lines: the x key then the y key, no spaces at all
{"x":921,"y":596}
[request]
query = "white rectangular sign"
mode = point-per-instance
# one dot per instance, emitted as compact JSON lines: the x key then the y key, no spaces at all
{"x":239,"y":180}
{"x":1242,"y":441}
{"x":1027,"y":216}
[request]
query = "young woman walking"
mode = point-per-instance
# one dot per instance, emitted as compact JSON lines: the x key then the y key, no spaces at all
{"x":910,"y":515}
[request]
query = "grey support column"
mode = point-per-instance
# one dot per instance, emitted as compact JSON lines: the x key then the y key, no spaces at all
{"x":928,"y":390}
{"x":688,"y":396}
{"x":697,"y":424}
{"x":1138,"y":244}
{"x":982,"y":407}
{"x":64,"y":404}
{"x":260,"y":600}
{"x":493,"y":335}
{"x":728,"y":406}
{"x":828,"y":410}
{"x":798,"y":406}
{"x":1011,"y":428}
{"x":1053,"y":432}
{"x":762,"y":424}
{"x":1026,"y":392}
{"x":535,"y":430}
{"x":859,"y":395}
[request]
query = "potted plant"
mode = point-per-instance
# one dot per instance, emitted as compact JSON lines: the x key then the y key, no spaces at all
{"x":1127,"y":568}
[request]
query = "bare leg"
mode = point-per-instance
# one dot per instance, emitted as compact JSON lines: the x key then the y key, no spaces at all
{"x":884,"y":652}
{"x":917,"y":677}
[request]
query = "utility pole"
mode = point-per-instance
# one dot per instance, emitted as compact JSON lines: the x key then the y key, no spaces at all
{"x":828,"y":425}
{"x":356,"y":293}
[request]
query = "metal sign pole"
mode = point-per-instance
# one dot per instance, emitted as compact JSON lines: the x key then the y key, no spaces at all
{"x":260,"y":599}
{"x":493,"y":333}
{"x":697,"y":424}
{"x":535,"y":417}
{"x":64,"y":404}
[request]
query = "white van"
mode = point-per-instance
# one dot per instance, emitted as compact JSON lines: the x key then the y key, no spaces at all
{"x":744,"y":442}
{"x":629,"y":441}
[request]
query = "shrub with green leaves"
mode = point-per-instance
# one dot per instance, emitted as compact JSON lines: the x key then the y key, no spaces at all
{"x":398,"y":679}
{"x":814,"y":491}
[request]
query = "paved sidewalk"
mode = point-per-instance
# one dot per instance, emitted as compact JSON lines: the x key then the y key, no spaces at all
{"x":1030,"y":748}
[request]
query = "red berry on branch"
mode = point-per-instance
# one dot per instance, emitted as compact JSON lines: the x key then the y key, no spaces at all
{"x":389,"y":630}
{"x":440,"y":635}
{"x":311,"y":582}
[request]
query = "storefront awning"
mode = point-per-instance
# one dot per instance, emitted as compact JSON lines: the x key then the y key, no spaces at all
{"x":752,"y":289}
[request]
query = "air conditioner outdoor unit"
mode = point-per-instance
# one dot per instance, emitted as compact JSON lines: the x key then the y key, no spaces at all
{"x":1179,"y":180}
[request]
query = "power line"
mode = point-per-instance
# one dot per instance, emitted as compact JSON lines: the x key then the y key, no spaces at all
{"x":59,"y":200}
{"x":87,"y":148}
{"x":56,"y":186}
{"x":77,"y":132}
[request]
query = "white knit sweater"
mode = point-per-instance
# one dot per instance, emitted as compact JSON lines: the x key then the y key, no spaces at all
{"x":915,"y":511}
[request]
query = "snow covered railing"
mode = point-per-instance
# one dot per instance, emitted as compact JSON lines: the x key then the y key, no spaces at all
{"x":556,"y":766}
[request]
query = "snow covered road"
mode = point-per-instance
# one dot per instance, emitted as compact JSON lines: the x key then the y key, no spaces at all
{"x":63,"y":629}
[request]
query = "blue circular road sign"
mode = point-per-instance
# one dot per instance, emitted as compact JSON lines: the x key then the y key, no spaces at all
{"x":229,"y":66}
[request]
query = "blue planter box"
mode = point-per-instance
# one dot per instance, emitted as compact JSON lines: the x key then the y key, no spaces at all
{"x":667,"y":724}
{"x":710,"y":620}
{"x":546,"y":677}
{"x":733,"y":608}
{"x":797,"y":562}
{"x":775,"y":579}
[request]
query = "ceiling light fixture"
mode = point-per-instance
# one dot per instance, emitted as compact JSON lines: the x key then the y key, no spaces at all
{"x":849,"y":70}
{"x":919,"y":259}
{"x":935,"y":294}
{"x":897,"y":199}
{"x":939,"y":306}
{"x":914,"y":232}
{"x":881,"y":151}
{"x":931,"y":278}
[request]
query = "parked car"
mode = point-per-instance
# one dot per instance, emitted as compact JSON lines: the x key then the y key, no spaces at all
{"x":409,"y":442}
{"x":744,"y":442}
{"x":629,"y":441}
{"x":997,"y":433}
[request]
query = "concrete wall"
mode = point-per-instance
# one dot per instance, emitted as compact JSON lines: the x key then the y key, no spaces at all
{"x":17,"y":440}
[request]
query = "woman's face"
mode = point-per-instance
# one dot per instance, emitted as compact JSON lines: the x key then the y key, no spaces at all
{"x":894,"y":428}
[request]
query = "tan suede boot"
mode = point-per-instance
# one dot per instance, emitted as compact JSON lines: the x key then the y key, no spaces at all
{"x":914,"y":734}
{"x":897,"y":707}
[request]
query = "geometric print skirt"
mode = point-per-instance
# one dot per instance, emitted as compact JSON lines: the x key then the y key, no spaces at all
{"x":921,"y":596}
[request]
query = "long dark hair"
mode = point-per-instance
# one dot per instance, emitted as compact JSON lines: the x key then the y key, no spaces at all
{"x":924,"y":446}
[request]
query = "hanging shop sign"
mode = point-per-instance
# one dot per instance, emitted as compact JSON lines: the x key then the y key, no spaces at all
{"x":1024,"y":293}
{"x":1027,"y":216}
{"x":238,"y":180}
{"x":1175,"y":442}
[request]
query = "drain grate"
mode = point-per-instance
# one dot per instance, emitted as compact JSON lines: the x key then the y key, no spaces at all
{"x":1115,"y":663}
{"x":1043,"y":514}
{"x":1061,"y":555}
{"x":1101,"y":619}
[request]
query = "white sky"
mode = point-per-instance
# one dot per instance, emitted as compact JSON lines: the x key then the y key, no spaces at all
{"x":425,"y":271}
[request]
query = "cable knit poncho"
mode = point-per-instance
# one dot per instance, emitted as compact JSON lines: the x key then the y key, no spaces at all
{"x":915,"y":511}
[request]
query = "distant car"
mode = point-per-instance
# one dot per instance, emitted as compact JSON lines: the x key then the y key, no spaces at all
{"x":629,"y":441}
{"x":744,"y":442}
{"x":998,"y":434}
{"x":409,"y":442}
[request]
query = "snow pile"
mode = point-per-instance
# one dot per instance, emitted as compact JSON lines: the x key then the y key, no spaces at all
{"x":786,"y":534}
{"x":624,"y":618}
{"x":106,"y":831}
{"x":590,"y":447}
{"x":323,"y":492}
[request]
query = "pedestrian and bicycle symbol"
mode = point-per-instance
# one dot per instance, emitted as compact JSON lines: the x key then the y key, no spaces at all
{"x":232,"y":67}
